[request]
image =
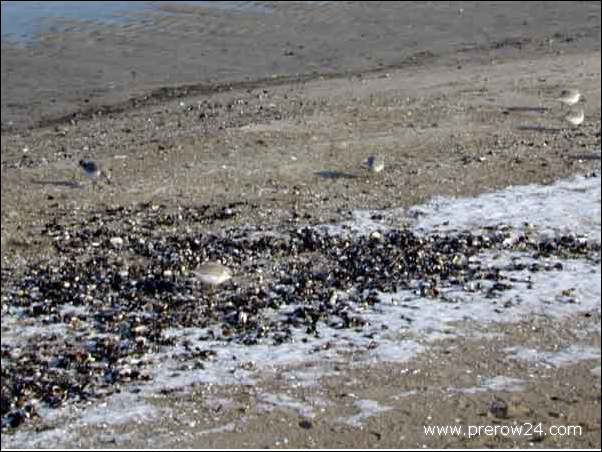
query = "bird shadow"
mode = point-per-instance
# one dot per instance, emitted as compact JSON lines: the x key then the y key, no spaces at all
{"x":527,"y":109}
{"x":335,"y":175}
{"x":58,"y":183}
{"x":585,"y":157}
{"x":540,"y":128}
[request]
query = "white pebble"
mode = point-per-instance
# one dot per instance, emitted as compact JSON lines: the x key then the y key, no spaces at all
{"x":117,"y":242}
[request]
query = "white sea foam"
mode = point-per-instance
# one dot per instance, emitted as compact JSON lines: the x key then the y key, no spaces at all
{"x":367,"y":409}
{"x":498,"y":383}
{"x":566,"y":206}
{"x":565,"y":357}
{"x":268,"y":402}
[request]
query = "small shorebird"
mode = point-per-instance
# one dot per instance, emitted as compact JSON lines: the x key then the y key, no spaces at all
{"x":93,"y":170}
{"x":575,"y":118}
{"x":213,"y":274}
{"x":569,"y":97}
{"x":375,"y":164}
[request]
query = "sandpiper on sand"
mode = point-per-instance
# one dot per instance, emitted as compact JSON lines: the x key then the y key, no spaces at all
{"x":569,"y":97}
{"x":575,"y":118}
{"x":213,"y":274}
{"x":376,"y":164}
{"x":93,"y":170}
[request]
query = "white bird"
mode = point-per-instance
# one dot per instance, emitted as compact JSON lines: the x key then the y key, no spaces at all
{"x":213,"y":274}
{"x":575,"y":118}
{"x":569,"y":97}
{"x":375,"y":164}
{"x":93,"y":170}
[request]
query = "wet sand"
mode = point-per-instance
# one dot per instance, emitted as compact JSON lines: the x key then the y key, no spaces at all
{"x":456,"y":124}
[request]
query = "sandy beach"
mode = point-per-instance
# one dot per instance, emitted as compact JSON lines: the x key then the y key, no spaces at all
{"x":285,"y":152}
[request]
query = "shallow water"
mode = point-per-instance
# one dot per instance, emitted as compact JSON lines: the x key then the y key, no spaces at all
{"x":411,"y":321}
{"x":22,"y":21}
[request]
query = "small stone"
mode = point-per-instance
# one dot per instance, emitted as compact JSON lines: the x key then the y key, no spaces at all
{"x":306,"y":424}
{"x":499,"y":409}
{"x":376,"y":236}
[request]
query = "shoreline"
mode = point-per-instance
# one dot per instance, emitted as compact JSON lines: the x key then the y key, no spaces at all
{"x":162,"y":94}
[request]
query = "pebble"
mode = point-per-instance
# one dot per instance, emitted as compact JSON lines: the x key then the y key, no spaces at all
{"x":116,"y":242}
{"x":499,"y":409}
